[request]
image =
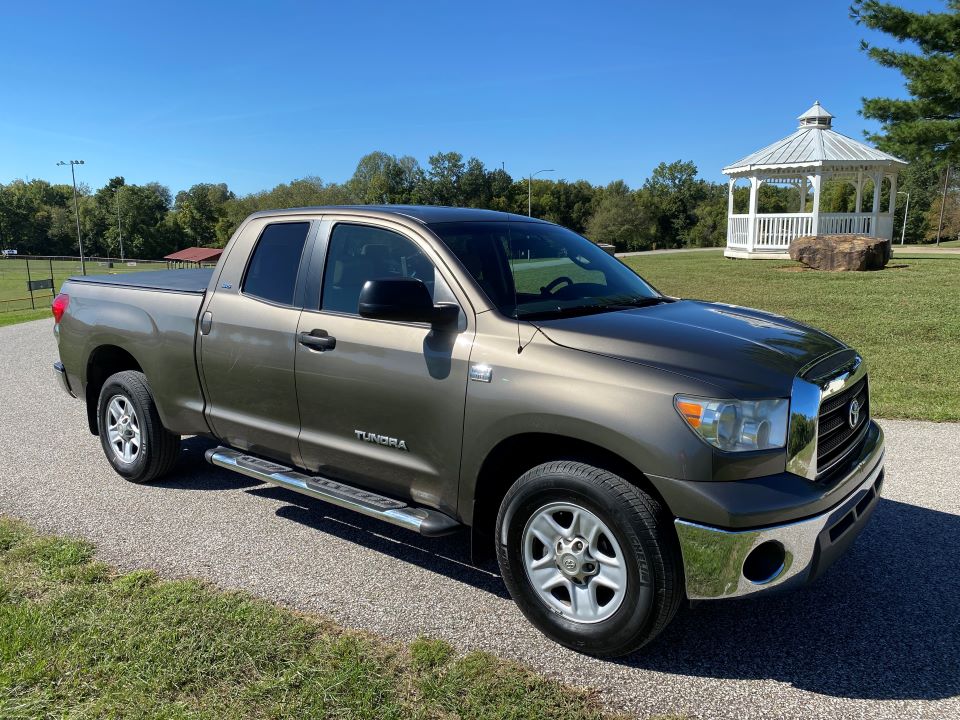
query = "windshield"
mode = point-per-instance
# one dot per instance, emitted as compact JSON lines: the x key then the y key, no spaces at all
{"x":536,"y":270}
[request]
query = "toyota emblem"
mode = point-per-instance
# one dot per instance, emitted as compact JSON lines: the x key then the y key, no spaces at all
{"x":853,"y":416}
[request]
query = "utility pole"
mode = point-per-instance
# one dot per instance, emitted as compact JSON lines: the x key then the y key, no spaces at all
{"x":943,"y":203}
{"x":76,"y":209}
{"x":120,"y":228}
{"x":530,"y":191}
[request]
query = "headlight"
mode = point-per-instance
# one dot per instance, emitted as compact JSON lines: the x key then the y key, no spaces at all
{"x":736,"y":425}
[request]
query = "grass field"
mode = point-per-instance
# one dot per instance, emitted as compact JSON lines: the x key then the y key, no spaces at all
{"x":79,"y":640}
{"x":13,"y":278}
{"x":905,"y":319}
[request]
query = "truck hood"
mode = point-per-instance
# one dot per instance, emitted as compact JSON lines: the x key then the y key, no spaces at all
{"x":748,"y":353}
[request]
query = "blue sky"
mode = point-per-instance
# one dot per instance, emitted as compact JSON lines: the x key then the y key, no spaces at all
{"x":254,"y":94}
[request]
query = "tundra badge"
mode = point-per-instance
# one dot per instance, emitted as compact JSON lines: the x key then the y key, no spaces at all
{"x":381,"y":440}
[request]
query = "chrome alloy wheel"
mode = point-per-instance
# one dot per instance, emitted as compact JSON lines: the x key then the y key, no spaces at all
{"x":574,"y":563}
{"x":123,"y":429}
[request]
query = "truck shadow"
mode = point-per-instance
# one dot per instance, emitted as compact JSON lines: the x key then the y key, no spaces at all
{"x":448,"y":556}
{"x":882,"y":624}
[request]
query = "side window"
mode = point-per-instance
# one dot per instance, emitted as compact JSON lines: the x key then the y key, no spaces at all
{"x":358,"y":253}
{"x":272,"y":272}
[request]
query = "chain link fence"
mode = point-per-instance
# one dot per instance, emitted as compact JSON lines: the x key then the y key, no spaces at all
{"x":31,"y":282}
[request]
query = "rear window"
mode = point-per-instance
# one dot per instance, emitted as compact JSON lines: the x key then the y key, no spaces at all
{"x":272,"y":272}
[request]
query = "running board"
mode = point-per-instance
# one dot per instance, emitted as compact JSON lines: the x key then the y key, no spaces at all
{"x":430,"y":523}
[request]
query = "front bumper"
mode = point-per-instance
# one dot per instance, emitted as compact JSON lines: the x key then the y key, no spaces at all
{"x":61,"y":372}
{"x":721,"y":563}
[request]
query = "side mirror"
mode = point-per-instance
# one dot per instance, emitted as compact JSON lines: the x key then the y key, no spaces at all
{"x":404,"y":300}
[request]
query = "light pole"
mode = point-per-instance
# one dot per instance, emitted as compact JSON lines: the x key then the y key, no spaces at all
{"x":530,"y":191}
{"x":906,"y":212}
{"x":119,"y":227}
{"x":76,"y":209}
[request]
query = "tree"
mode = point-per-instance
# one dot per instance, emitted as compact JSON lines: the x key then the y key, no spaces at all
{"x":199,"y":211}
{"x":618,"y":220}
{"x":444,"y":178}
{"x":382,"y":178}
{"x":927,"y":126}
{"x":476,"y":185}
{"x":669,"y":199}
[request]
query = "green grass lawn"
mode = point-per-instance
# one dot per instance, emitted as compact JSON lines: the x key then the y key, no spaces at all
{"x":904,"y":319}
{"x":13,"y":278}
{"x":19,"y":316}
{"x":79,"y":640}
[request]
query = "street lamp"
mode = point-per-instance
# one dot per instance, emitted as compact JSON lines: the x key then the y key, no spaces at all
{"x":76,"y":209}
{"x":119,"y":228}
{"x":530,"y":191}
{"x":906,"y":211}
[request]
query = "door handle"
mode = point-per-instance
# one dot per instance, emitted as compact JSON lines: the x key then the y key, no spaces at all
{"x":318,"y":340}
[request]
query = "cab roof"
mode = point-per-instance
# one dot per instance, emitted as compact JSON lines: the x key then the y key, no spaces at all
{"x":426,"y":214}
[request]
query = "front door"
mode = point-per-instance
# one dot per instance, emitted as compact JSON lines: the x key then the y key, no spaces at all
{"x":381,"y":403}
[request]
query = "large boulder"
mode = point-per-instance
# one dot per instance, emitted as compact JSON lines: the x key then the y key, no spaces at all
{"x":841,"y":252}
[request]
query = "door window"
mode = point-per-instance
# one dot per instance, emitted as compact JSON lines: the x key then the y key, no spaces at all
{"x":358,"y":253}
{"x":272,"y":272}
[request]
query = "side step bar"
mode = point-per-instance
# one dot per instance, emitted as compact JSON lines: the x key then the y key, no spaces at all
{"x":430,"y":523}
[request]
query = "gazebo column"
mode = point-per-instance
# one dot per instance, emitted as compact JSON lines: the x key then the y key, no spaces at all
{"x":752,"y":221}
{"x":815,"y":181}
{"x":877,"y":182}
{"x":730,"y":230}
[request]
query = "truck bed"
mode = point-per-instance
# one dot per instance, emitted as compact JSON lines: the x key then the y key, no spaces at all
{"x":182,"y":281}
{"x":149,"y":316}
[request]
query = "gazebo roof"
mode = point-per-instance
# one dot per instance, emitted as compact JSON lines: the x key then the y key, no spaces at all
{"x":814,"y":144}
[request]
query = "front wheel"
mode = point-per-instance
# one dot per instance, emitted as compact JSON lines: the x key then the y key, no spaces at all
{"x":134,"y":439}
{"x":590,"y":559}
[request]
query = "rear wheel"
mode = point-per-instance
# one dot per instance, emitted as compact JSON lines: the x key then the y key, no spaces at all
{"x":590,"y":559}
{"x":134,"y":439}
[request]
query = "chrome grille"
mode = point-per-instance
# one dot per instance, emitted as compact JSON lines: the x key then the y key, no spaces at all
{"x":835,"y":437}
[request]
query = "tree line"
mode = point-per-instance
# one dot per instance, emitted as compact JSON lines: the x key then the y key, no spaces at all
{"x":673,"y":208}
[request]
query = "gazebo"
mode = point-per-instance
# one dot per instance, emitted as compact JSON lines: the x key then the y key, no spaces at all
{"x":815,"y":153}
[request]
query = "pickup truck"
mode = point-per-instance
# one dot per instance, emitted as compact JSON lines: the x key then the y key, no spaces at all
{"x":618,"y":451}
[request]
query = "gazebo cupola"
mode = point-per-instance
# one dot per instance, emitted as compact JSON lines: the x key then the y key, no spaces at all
{"x":801,"y":163}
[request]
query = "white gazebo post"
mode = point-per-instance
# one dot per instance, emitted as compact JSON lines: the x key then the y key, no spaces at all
{"x":752,"y":212}
{"x":875,"y":215}
{"x":815,"y":215}
{"x":812,"y":154}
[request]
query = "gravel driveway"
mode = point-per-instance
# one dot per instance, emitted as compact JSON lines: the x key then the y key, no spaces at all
{"x":877,"y":637}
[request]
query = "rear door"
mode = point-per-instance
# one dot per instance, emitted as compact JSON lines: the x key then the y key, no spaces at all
{"x":248,"y":340}
{"x":382,"y":405}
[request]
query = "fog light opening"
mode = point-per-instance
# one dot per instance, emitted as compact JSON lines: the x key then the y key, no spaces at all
{"x":764,"y":563}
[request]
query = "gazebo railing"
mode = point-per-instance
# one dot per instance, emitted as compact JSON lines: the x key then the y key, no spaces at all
{"x":846,"y":223}
{"x":776,"y":231}
{"x":738,"y":230}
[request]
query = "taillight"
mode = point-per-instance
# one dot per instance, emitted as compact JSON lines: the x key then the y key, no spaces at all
{"x":59,"y":307}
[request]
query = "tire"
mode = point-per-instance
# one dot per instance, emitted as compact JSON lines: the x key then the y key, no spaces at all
{"x":134,"y":439}
{"x":641,"y":556}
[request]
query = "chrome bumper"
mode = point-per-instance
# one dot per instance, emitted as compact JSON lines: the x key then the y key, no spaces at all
{"x":733,"y":563}
{"x":61,"y":372}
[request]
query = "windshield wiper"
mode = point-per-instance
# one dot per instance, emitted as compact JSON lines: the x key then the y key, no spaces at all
{"x":612,"y":305}
{"x":566,"y":311}
{"x":641,"y":301}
